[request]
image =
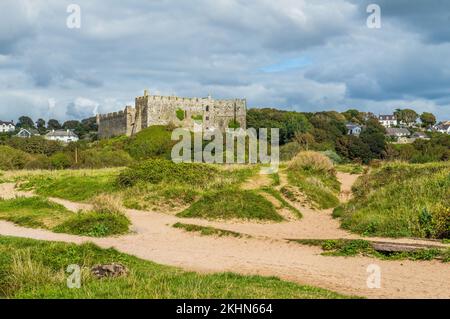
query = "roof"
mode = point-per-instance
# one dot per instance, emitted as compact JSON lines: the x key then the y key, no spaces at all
{"x":61,"y":133}
{"x":387,"y":117}
{"x":6,"y":123}
{"x":351,"y":126}
{"x":32,"y":131}
{"x":419,"y":134}
{"x":396,"y":131}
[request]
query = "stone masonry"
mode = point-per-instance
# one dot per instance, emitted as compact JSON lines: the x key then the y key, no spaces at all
{"x":152,"y":110}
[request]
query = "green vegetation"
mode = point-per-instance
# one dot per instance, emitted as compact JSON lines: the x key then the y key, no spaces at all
{"x":198,"y":118}
{"x":234,"y":124}
{"x":232,"y":203}
{"x":34,"y":212}
{"x":156,"y":171}
{"x":206,"y":231}
{"x":284,"y":204}
{"x":351,"y":247}
{"x":38,"y":212}
{"x":11,"y":158}
{"x":72,"y":185}
{"x":401,"y":200}
{"x":180,"y":114}
{"x":350,"y":168}
{"x":152,"y":142}
{"x":41,"y":274}
{"x":94,"y":224}
{"x":313,"y":174}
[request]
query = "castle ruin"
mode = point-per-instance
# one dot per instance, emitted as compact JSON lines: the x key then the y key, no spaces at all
{"x":150,"y":110}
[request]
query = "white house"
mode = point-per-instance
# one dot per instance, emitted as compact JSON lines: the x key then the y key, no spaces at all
{"x":388,"y":120}
{"x":442,"y":128}
{"x":65,"y":136}
{"x":353,"y":129}
{"x":6,"y":127}
{"x":397,"y":132}
{"x":27,"y":133}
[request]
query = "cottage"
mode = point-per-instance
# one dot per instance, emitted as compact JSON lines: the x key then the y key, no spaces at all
{"x":27,"y":133}
{"x":442,"y":128}
{"x":397,"y":132}
{"x":353,"y":129}
{"x":65,"y":136}
{"x":388,"y":120}
{"x":420,"y":135}
{"x":6,"y":127}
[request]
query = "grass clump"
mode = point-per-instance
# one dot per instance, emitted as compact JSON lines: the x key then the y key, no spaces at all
{"x":145,"y":279}
{"x":206,"y":230}
{"x":33,"y":212}
{"x":233,"y":203}
{"x":313,"y":174}
{"x":284,"y":204}
{"x":156,"y":171}
{"x":401,"y":200}
{"x":355,"y":247}
{"x":94,"y":224}
{"x":350,"y":168}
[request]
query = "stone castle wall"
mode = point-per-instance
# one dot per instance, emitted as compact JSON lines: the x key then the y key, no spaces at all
{"x":163,"y":110}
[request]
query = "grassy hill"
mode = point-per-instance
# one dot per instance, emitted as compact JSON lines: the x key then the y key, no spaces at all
{"x":399,"y":199}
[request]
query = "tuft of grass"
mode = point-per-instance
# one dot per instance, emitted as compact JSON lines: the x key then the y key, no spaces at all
{"x":350,"y":168}
{"x":33,"y":212}
{"x":145,"y":280}
{"x":313,"y":174}
{"x":355,"y":247}
{"x":206,"y":230}
{"x":401,"y":200}
{"x":233,"y":203}
{"x":94,"y":224}
{"x":284,"y":203}
{"x":107,"y":204}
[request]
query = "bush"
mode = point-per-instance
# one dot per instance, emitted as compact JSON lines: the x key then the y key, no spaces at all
{"x":101,"y":158}
{"x":156,"y":171}
{"x":11,"y":158}
{"x":61,"y":161}
{"x":39,"y":162}
{"x":311,"y":161}
{"x":35,"y":145}
{"x":107,"y":204}
{"x":94,"y":224}
{"x":153,"y":142}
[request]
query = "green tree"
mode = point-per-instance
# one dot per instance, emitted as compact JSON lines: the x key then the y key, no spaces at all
{"x":40,"y":125}
{"x":406,"y":116}
{"x":25,"y":122}
{"x":427,"y":119}
{"x":53,"y":125}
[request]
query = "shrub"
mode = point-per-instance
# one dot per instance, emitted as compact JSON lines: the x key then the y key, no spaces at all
{"x":107,"y":204}
{"x":61,"y":161}
{"x":35,"y":145}
{"x":155,"y":171}
{"x":11,"y":158}
{"x":100,"y":158}
{"x":94,"y":224}
{"x":311,"y":161}
{"x":153,"y":142}
{"x":39,"y":162}
{"x":180,"y":114}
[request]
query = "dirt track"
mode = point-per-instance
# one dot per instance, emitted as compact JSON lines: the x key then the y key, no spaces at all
{"x":266,"y":253}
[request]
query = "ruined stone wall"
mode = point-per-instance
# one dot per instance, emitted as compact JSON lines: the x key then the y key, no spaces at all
{"x":115,"y":124}
{"x":162,"y":110}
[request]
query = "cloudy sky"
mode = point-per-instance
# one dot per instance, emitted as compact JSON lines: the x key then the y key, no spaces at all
{"x":304,"y":55}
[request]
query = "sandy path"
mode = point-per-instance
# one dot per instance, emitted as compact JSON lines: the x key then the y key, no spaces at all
{"x":267,"y":253}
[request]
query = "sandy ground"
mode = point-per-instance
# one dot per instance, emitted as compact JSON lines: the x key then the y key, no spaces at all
{"x":265,"y":253}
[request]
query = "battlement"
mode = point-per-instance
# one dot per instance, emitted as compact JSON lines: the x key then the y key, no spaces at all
{"x":152,"y":110}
